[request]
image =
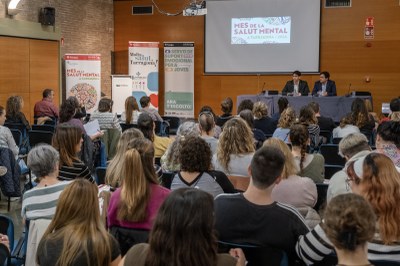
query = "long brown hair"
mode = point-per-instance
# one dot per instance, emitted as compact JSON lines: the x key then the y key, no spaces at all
{"x":13,"y":106}
{"x":138,"y":173}
{"x":65,"y":140}
{"x":290,"y":167}
{"x":183,"y":232}
{"x":78,"y":226}
{"x":130,"y":106}
{"x":299,"y":136}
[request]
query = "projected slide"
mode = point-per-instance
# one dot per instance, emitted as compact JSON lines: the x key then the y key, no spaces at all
{"x":260,"y":30}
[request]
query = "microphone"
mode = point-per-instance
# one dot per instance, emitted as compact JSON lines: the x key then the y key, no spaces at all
{"x":262,"y":89}
{"x":348,"y":92}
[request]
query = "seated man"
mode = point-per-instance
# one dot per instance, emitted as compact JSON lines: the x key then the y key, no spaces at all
{"x":324,"y":86}
{"x":253,"y":217}
{"x":296,"y":87}
{"x":145,"y":104}
{"x":46,"y":106}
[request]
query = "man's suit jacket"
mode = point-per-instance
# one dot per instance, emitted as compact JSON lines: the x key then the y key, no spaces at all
{"x":303,"y":88}
{"x":330,"y":88}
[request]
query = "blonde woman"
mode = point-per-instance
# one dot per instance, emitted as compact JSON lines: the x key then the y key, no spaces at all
{"x":235,"y":148}
{"x":261,"y":119}
{"x":287,"y":119}
{"x":113,"y":173}
{"x":293,"y":189}
{"x":76,"y":235}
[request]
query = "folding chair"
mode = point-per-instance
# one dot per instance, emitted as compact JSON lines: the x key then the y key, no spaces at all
{"x":331,"y":154}
{"x":330,"y":170}
{"x":38,"y":136}
{"x":174,"y":123}
{"x":45,"y":127}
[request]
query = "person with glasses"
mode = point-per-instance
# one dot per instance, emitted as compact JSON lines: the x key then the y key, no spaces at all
{"x":296,"y":86}
{"x":376,"y":179}
{"x":352,"y":147}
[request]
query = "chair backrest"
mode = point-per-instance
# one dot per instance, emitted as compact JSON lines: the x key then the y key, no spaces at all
{"x":257,"y":255}
{"x":53,"y":120}
{"x":128,"y":237}
{"x":322,"y":190}
{"x":174,"y":123}
{"x":100,"y":175}
{"x":45,"y":127}
{"x":7,"y":228}
{"x":327,"y":135}
{"x":166,"y":179}
{"x":330,"y":170}
{"x":336,"y":140}
{"x":39,"y":136}
{"x":330,"y":153}
{"x":21,"y":127}
{"x":161,"y":129}
{"x":127,"y":126}
{"x":240,"y":183}
{"x":4,"y":254}
{"x":17,"y":135}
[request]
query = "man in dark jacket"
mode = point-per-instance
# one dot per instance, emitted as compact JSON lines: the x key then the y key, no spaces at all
{"x":296,"y":87}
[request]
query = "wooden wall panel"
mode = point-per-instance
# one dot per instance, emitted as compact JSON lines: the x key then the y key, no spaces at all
{"x":344,"y":52}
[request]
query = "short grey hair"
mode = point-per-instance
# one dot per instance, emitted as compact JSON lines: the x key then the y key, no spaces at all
{"x":188,"y":128}
{"x":353,"y":144}
{"x":43,"y":160}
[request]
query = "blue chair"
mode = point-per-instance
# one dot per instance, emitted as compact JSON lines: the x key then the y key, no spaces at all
{"x":16,"y":257}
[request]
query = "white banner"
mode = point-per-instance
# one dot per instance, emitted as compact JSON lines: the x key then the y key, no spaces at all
{"x":83,"y":79}
{"x":121,"y":88}
{"x":179,"y":79}
{"x":143,"y":68}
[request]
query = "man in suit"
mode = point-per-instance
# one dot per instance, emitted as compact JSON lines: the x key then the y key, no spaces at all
{"x":325,"y":86}
{"x":297,"y":87}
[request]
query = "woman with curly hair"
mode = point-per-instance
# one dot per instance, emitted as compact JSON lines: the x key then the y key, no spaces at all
{"x":364,"y":121}
{"x":261,"y":119}
{"x":235,"y":148}
{"x":183,"y":234}
{"x":307,"y":117}
{"x":131,"y":113}
{"x":14,"y":112}
{"x":349,"y":223}
{"x":287,"y":119}
{"x":388,"y":140}
{"x":113,"y":173}
{"x":376,"y":179}
{"x":310,"y":165}
{"x":195,"y":160}
{"x":76,"y":235}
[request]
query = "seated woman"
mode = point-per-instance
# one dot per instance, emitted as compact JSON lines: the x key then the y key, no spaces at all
{"x":113,"y":173}
{"x":345,"y":128}
{"x":136,"y":203}
{"x":307,"y":117}
{"x":183,"y":234}
{"x":6,"y":137}
{"x":388,"y":140}
{"x":261,"y":119}
{"x":170,"y":159}
{"x":68,"y":141}
{"x":208,"y":109}
{"x":195,"y":161}
{"x":376,"y":179}
{"x":349,"y":223}
{"x":235,"y":148}
{"x":14,"y":112}
{"x":40,"y":202}
{"x":310,"y":165}
{"x":258,"y":135}
{"x":207,"y":129}
{"x":361,"y":118}
{"x":104,"y":115}
{"x":226,"y":108}
{"x":293,"y":189}
{"x":286,"y":120}
{"x":76,"y":236}
{"x":131,"y":113}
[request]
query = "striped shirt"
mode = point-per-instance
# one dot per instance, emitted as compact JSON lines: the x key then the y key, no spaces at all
{"x":315,"y":245}
{"x":41,"y":202}
{"x":78,"y":169}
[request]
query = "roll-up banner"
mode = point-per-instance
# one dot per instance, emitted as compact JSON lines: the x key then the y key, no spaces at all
{"x":179,"y":78}
{"x":143,"y":68}
{"x":83,"y":79}
{"x":121,"y":88}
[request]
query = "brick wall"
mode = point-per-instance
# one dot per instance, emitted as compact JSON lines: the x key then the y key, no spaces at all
{"x":87,"y":26}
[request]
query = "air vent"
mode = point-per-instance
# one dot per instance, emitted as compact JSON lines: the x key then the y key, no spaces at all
{"x":142,"y":10}
{"x":337,"y":3}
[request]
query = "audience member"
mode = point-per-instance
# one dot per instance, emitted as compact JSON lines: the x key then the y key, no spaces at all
{"x":307,"y":117}
{"x":40,"y":202}
{"x":235,"y":148}
{"x":14,"y":112}
{"x":46,"y":107}
{"x":370,"y":110}
{"x":136,"y":203}
{"x":245,"y":105}
{"x":287,"y":119}
{"x":352,"y":147}
{"x":345,"y":127}
{"x":114,"y":168}
{"x":261,"y":119}
{"x":388,"y":140}
{"x":324,"y":86}
{"x":68,"y":141}
{"x":376,"y":179}
{"x":183,"y":234}
{"x":217,"y":129}
{"x":349,"y":223}
{"x":195,"y":161}
{"x":364,"y":121}
{"x":104,"y":115}
{"x":258,"y":135}
{"x":132,"y":112}
{"x":254,"y":217}
{"x":324,"y":123}
{"x":76,"y":235}
{"x":310,"y":165}
{"x":6,"y":137}
{"x":395,"y":109}
{"x":283,"y":103}
{"x":226,"y":108}
{"x":207,"y":126}
{"x":296,"y":86}
{"x":145,"y":104}
{"x":146,"y":125}
{"x":170,"y":159}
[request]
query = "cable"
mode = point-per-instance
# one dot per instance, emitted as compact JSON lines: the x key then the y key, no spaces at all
{"x":165,"y":13}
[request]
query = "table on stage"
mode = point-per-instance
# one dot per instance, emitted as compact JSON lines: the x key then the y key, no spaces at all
{"x":335,"y":107}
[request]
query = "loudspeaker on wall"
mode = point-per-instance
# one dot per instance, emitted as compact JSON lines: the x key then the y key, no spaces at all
{"x":47,"y":16}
